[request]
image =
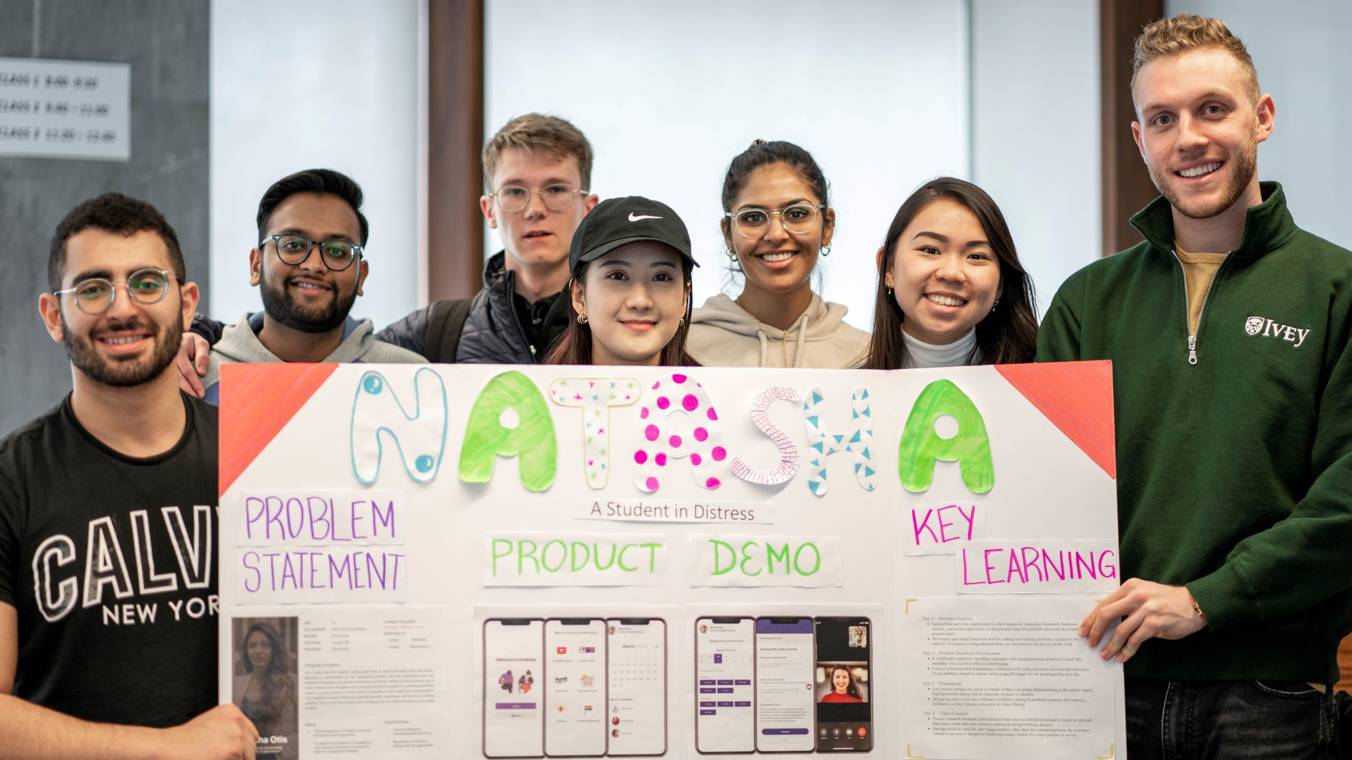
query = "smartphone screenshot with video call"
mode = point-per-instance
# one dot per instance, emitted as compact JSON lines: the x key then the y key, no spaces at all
{"x":843,"y":684}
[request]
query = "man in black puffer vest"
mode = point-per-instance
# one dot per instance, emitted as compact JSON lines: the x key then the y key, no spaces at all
{"x":537,"y":171}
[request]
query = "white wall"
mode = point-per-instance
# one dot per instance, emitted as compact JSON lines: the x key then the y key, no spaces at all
{"x":668,"y":93}
{"x":1305,"y":63}
{"x":317,"y":83}
{"x":1036,"y":130}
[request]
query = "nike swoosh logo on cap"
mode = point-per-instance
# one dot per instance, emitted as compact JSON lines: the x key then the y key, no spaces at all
{"x":634,"y":217}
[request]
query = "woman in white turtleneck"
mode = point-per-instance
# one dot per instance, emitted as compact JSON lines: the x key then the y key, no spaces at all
{"x":951,"y":290}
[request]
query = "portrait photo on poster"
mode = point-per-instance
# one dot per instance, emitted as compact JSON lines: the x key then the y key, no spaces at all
{"x":264,"y":681}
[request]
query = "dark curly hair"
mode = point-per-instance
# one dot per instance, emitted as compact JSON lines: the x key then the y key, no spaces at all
{"x":112,"y":212}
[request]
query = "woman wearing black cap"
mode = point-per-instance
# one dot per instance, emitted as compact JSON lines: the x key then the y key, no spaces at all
{"x":630,"y":292}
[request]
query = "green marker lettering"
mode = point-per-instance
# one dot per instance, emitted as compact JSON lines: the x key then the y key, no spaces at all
{"x":521,"y":555}
{"x":581,"y":549}
{"x":532,"y":440}
{"x":613,"y":554}
{"x":746,"y":556}
{"x":816,"y":555}
{"x":497,"y":555}
{"x":719,"y":546}
{"x":652,"y":556}
{"x":620,"y":561}
{"x":563,"y":557}
{"x":921,"y":446}
{"x":783,"y":556}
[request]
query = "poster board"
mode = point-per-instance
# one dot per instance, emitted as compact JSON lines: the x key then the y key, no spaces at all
{"x":484,"y":561}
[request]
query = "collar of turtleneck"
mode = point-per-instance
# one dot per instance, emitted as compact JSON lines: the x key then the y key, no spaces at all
{"x":959,"y":353}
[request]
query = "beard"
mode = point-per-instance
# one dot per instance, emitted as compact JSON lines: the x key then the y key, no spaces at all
{"x":126,"y":372}
{"x":1245,"y":164}
{"x":279,"y":305}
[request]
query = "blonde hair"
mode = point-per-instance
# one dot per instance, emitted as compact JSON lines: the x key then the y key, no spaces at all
{"x":541,"y":134}
{"x":1171,"y":36}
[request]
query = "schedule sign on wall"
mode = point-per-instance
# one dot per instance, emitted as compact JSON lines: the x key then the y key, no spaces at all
{"x":65,"y":109}
{"x":486,"y":561}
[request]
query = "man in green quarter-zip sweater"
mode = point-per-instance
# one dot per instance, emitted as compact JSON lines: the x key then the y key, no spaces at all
{"x":1229,"y":331}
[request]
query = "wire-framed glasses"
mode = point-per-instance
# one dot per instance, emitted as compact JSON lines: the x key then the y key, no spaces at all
{"x":337,"y":254}
{"x":752,"y":222}
{"x":556,"y":196}
{"x":95,"y":295}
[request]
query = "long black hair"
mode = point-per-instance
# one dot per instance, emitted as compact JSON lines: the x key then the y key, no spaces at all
{"x":1008,"y":335}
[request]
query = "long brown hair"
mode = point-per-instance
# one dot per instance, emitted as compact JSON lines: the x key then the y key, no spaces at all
{"x":275,"y":679}
{"x":1008,"y":335}
{"x":574,"y":346}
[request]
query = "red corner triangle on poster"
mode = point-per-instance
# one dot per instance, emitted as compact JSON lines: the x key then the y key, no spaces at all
{"x":257,"y":401}
{"x":1077,"y":397}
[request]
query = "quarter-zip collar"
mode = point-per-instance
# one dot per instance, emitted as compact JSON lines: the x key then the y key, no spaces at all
{"x":1266,"y":226}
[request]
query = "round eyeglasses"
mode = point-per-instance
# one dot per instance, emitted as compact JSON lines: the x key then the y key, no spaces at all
{"x":95,"y":295}
{"x":753,"y":222}
{"x":556,"y":197}
{"x":336,"y":254}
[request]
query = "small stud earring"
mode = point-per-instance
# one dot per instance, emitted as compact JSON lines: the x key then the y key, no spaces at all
{"x":582,"y":319}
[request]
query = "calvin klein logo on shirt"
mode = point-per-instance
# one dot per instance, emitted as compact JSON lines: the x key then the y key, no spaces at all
{"x":1269,"y":329}
{"x":102,"y":571}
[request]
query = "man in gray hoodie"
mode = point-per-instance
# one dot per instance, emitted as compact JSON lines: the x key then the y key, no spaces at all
{"x":309,"y":269}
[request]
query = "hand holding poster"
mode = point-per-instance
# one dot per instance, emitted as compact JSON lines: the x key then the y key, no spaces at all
{"x":591,"y":561}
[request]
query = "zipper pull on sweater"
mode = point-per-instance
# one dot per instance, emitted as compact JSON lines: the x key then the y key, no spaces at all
{"x":1192,"y":349}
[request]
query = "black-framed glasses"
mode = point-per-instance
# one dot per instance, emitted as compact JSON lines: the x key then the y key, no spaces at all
{"x":753,"y":222}
{"x":337,"y":254}
{"x":95,"y":295}
{"x":557,"y":197}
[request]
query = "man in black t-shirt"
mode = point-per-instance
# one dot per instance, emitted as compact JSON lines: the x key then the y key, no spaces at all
{"x":108,"y":517}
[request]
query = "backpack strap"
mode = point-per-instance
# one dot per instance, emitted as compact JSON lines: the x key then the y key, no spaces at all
{"x":445,"y":323}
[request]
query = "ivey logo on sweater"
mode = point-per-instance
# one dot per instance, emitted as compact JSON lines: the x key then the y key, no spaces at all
{"x":1271,"y":329}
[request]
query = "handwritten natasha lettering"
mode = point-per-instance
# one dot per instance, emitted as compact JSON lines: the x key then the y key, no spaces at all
{"x":512,"y":418}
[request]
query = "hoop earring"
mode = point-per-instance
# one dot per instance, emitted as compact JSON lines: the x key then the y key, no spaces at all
{"x":582,"y":319}
{"x":826,"y":250}
{"x":731,"y":256}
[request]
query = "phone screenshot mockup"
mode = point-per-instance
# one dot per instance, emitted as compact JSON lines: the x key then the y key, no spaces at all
{"x":725,"y":694}
{"x":636,"y":678}
{"x":575,"y":687}
{"x":844,"y":684}
{"x":513,"y":681}
{"x":784,"y":691}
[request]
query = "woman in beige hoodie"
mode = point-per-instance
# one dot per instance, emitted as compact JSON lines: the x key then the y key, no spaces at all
{"x":777,"y":221}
